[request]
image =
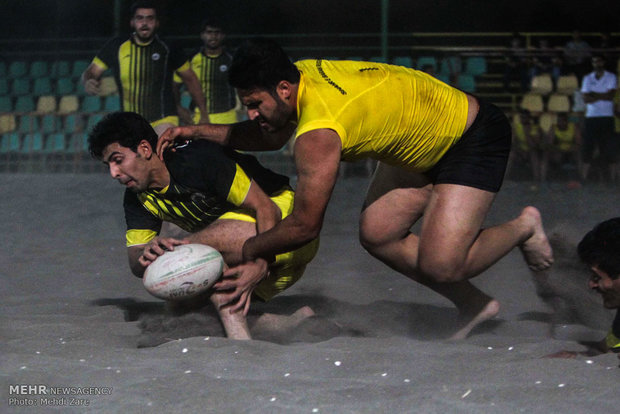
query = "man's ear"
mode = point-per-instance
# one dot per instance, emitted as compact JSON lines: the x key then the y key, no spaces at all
{"x":145,"y":149}
{"x":284,"y":90}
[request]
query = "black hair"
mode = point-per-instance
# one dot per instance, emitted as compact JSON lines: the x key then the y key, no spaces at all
{"x":211,"y":22}
{"x":261,"y":64}
{"x":142,"y":4}
{"x":126,"y":128}
{"x":601,"y":247}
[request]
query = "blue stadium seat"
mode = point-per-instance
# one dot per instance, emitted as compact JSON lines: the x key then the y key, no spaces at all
{"x":78,"y":67}
{"x":24,"y":104}
{"x":378,"y":59}
{"x":2,"y":69}
{"x":355,"y":58}
{"x":39,"y":69}
{"x":423,"y":61}
{"x":451,"y":65}
{"x":33,"y":142}
{"x":91,"y":104}
{"x":6,"y":104}
{"x":17,"y":69}
{"x":50,"y":123}
{"x":20,"y":86}
{"x":466,"y":83}
{"x":73,"y":123}
{"x":112,"y":103}
{"x":42,"y":86}
{"x":27,"y":124}
{"x":78,"y":143}
{"x":4,"y":86}
{"x":186,"y":100}
{"x":61,"y":69}
{"x":405,"y":61}
{"x":93,"y":120}
{"x":55,"y":142}
{"x":476,"y":65}
{"x":10,"y":142}
{"x":65,"y":86}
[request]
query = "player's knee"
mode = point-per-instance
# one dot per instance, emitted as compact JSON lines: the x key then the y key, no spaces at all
{"x":441,"y":270}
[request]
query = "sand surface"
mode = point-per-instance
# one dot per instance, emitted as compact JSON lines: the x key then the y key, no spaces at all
{"x":72,"y":315}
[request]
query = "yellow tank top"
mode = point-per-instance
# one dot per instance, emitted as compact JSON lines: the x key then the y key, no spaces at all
{"x":565,"y":139}
{"x":390,"y":113}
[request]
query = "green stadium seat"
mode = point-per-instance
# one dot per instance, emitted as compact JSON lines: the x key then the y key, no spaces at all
{"x":451,"y":65}
{"x":186,"y":100}
{"x":423,"y":61}
{"x":42,"y":86}
{"x":73,"y":123}
{"x":78,"y":67}
{"x":55,"y":143}
{"x":18,"y":69}
{"x":78,"y":143}
{"x":61,"y":69}
{"x":33,"y":142}
{"x":24,"y":104}
{"x":93,"y":120}
{"x":20,"y":86}
{"x":10,"y":142}
{"x":6,"y":104}
{"x":65,"y":86}
{"x":475,"y":65}
{"x":466,"y":82}
{"x":4,"y":86}
{"x":378,"y":59}
{"x":39,"y":69}
{"x":405,"y":61}
{"x":91,"y":104}
{"x":28,"y":124}
{"x":50,"y":124}
{"x":3,"y":69}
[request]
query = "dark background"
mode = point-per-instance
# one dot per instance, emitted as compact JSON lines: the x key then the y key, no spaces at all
{"x":40,"y":19}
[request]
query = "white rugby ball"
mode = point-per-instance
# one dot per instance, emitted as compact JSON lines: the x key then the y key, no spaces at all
{"x":184,"y":272}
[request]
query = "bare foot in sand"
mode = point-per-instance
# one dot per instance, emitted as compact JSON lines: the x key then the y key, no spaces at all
{"x":536,"y":250}
{"x":469,"y":320}
{"x":273,"y":323}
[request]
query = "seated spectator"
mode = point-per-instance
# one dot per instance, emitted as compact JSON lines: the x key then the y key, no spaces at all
{"x":577,"y":54}
{"x":529,"y":146}
{"x":517,"y":65}
{"x":546,"y":59}
{"x":565,"y":144}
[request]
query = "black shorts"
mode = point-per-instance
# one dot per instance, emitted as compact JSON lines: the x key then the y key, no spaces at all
{"x":599,"y":133}
{"x":479,"y":157}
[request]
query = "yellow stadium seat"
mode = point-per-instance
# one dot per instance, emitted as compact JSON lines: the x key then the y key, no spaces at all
{"x":7,"y":123}
{"x":532,"y":102}
{"x":108,"y":86}
{"x":558,"y":103}
{"x":46,"y":104}
{"x":68,"y":104}
{"x":567,"y":84}
{"x":542,"y":84}
{"x":546,"y":121}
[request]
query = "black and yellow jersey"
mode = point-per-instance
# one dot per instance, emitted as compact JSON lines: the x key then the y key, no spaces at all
{"x":143,"y":74}
{"x":212,"y":71}
{"x":613,"y":337}
{"x":206,"y":181}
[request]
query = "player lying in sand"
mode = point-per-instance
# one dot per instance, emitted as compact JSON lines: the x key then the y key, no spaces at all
{"x":599,"y":251}
{"x":442,"y":155}
{"x":220,"y":196}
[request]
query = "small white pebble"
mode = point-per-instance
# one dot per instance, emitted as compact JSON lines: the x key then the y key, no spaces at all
{"x":118,"y":371}
{"x":337,"y":363}
{"x":207,"y":338}
{"x":272,"y":399}
{"x":489,"y":347}
{"x":384,"y":374}
{"x":236,"y":352}
{"x":407,"y":380}
{"x":315,"y":410}
{"x":189,"y":371}
{"x":466,"y":394}
{"x":538,"y":382}
{"x":38,"y":352}
{"x":82,"y":360}
{"x":149,"y":404}
{"x":287,"y":374}
{"x":22,"y":367}
{"x":510,"y":348}
{"x":561,"y":385}
{"x":63,"y":342}
{"x":184,"y":350}
{"x":589,"y":361}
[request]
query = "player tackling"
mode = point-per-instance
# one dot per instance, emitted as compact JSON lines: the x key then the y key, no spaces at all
{"x":442,"y":155}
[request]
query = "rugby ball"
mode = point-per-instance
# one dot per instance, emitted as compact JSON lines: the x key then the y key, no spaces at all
{"x":183,"y":273}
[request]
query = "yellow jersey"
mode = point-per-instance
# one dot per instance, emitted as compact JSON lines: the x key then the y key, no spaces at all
{"x":393,"y":114}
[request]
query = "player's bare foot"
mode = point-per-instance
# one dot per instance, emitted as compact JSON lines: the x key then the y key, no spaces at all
{"x":536,"y":249}
{"x":469,"y":320}
{"x":270,"y":322}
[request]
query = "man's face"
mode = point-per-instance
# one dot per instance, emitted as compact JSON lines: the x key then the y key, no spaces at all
{"x":271,"y":112}
{"x":144,"y":22}
{"x":212,"y":37}
{"x":127,"y":167}
{"x":608,"y":288}
{"x":598,"y":64}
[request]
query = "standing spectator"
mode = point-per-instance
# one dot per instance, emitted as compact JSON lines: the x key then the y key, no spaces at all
{"x":565,"y":143}
{"x":577,"y":53}
{"x":143,"y":67}
{"x":598,"y":90}
{"x":211,"y":63}
{"x":517,"y":64}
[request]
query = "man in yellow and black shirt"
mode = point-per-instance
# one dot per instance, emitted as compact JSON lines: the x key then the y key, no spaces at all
{"x":220,"y":196}
{"x":442,"y":155}
{"x":143,"y":66}
{"x":211,"y":63}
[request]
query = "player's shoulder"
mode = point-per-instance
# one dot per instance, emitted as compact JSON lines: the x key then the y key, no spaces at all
{"x":194,"y":154}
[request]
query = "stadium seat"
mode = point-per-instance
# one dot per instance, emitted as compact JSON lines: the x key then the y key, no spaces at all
{"x":112,"y":103}
{"x":476,"y":65}
{"x":39,"y":69}
{"x":18,"y":69}
{"x":567,"y":84}
{"x":423,"y":61}
{"x":355,"y":58}
{"x":68,"y":104}
{"x":378,"y":59}
{"x":542,"y":84}
{"x":91,"y":104}
{"x":24,"y":104}
{"x":466,"y":82}
{"x":78,"y":67}
{"x":33,"y":142}
{"x":20,"y":87}
{"x":451,"y":65}
{"x":10,"y":142}
{"x":65,"y":86}
{"x":93,"y":120}
{"x":186,"y":100}
{"x":46,"y":104}
{"x":55,"y":143}
{"x":532,"y":102}
{"x":7,"y":123}
{"x":4,"y":86}
{"x":61,"y":69}
{"x":78,"y":143}
{"x":2,"y":69}
{"x":558,"y":103}
{"x":6,"y":104}
{"x":27,"y":124}
{"x":42,"y":86}
{"x":108,"y":86}
{"x":405,"y":61}
{"x":49,"y":124}
{"x":546,"y":121}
